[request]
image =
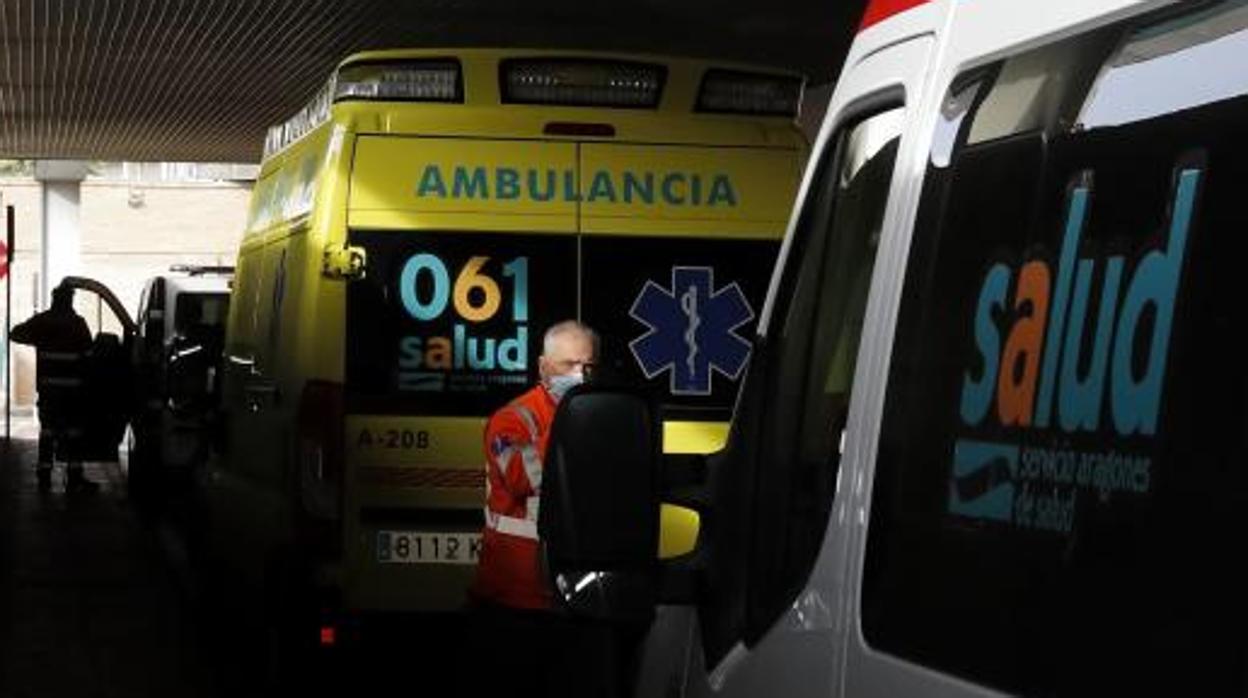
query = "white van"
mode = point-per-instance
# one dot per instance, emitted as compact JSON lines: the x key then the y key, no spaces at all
{"x":992,"y":437}
{"x":177,"y":357}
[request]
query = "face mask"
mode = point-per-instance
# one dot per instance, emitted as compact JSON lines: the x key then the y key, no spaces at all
{"x":558,"y":386}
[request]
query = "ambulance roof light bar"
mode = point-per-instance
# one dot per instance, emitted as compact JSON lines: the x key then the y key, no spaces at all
{"x":739,"y":92}
{"x":435,"y":80}
{"x":313,"y":114}
{"x":426,"y":80}
{"x":581,"y":82}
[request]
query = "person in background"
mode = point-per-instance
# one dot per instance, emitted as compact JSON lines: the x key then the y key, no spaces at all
{"x":61,"y":338}
{"x":514,"y":621}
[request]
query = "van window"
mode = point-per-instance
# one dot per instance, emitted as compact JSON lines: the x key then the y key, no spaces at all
{"x":651,"y":299}
{"x":1172,"y":53}
{"x":204,"y":309}
{"x":1060,"y":483}
{"x":451,"y":322}
{"x":456,"y":319}
{"x":812,"y":357}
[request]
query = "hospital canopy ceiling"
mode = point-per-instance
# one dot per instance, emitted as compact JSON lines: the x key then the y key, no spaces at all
{"x":201,"y":80}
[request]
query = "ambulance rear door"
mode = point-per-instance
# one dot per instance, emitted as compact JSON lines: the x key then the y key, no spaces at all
{"x":471,"y":253}
{"x":677,"y":248}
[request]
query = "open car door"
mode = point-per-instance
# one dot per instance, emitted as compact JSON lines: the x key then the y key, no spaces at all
{"x":108,"y":394}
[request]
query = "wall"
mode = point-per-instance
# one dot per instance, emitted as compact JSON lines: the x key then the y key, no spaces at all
{"x":130,"y":231}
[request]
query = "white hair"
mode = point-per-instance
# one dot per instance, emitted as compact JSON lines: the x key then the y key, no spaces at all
{"x":567,"y":327}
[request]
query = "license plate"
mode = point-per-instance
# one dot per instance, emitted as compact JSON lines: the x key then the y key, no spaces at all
{"x":426,"y":547}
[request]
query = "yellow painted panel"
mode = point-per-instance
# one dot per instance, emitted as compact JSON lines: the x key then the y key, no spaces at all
{"x":679,"y":526}
{"x":678,"y":531}
{"x":458,"y":441}
{"x":414,"y":461}
{"x":476,"y":222}
{"x":694,"y":437}
{"x":726,"y":229}
{"x":523,"y":121}
{"x":441,"y":175}
{"x":449,"y":442}
{"x":405,"y":461}
{"x":754,"y":185}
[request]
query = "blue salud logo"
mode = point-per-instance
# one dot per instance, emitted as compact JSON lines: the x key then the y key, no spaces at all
{"x":1056,"y":360}
{"x":691,"y":330}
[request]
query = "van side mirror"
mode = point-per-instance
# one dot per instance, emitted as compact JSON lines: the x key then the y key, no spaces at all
{"x":599,"y":517}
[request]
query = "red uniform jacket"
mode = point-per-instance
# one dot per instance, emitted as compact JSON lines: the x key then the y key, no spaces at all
{"x":509,"y":571}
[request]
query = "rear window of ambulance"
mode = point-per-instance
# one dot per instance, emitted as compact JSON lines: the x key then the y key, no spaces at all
{"x":451,"y":323}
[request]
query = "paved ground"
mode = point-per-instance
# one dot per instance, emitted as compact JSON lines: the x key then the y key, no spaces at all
{"x":89,"y":605}
{"x":95,"y":603}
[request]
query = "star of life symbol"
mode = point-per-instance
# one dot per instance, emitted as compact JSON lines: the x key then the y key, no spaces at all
{"x":691,"y":330}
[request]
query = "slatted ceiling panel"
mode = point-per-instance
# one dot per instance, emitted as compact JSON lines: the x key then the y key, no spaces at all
{"x":202,"y":80}
{"x":165,"y":79}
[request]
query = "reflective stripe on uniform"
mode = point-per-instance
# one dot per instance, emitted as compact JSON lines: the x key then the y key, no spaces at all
{"x":528,"y":454}
{"x":525,"y":527}
{"x":511,"y":525}
{"x":530,"y":421}
{"x":532,"y":465}
{"x":59,"y":355}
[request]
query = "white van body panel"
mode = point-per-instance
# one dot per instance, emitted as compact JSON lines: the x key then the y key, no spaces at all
{"x":802,"y":653}
{"x":881,"y":77}
{"x":975,"y":34}
{"x":818,"y":648}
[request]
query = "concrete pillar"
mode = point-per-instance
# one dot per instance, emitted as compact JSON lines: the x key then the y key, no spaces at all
{"x":61,"y":184}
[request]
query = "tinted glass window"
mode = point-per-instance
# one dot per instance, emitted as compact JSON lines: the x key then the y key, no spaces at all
{"x":1060,"y":484}
{"x":452,"y":323}
{"x":812,"y":354}
{"x":676,"y":314}
{"x":204,"y":309}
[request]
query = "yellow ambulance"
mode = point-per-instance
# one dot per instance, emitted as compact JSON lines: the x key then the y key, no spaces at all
{"x":413,"y":232}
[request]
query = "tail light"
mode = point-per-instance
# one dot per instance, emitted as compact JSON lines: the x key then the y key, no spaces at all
{"x":321,"y":455}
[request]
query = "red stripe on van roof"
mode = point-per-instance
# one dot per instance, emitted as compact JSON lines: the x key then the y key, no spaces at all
{"x":880,"y":10}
